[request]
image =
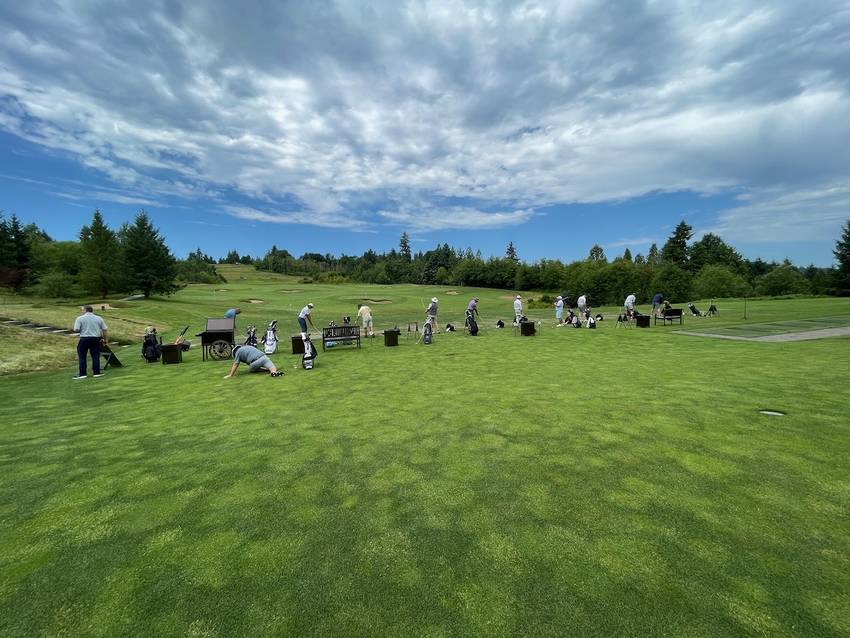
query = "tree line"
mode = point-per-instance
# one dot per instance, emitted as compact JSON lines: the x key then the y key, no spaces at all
{"x":136,"y":259}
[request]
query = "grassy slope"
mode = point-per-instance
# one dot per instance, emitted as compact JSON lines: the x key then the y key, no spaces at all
{"x":588,"y":483}
{"x":29,"y":351}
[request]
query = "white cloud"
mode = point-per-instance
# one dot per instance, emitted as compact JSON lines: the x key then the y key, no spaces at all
{"x":378,"y":114}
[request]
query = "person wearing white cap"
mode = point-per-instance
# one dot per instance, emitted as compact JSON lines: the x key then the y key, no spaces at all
{"x":431,"y":313}
{"x":517,"y":309}
{"x":303,"y":317}
{"x":559,"y":309}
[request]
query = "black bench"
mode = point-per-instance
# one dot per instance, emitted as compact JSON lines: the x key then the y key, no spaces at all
{"x":340,"y":334}
{"x":669,"y":315}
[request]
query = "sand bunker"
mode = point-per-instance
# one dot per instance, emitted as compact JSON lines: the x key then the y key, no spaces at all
{"x":254,"y":300}
{"x":509,"y":297}
{"x":452,"y":292}
{"x":290,"y":291}
{"x":376,"y":301}
{"x":102,"y":306}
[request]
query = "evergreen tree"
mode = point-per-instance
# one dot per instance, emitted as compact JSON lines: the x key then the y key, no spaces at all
{"x":627,"y":255}
{"x":713,"y":251}
{"x":653,"y":258}
{"x":596,"y":253}
{"x":676,"y":251}
{"x":150,"y":265}
{"x":842,"y":255}
{"x":404,"y":246}
{"x":14,"y":253}
{"x":510,"y":253}
{"x":100,"y":254}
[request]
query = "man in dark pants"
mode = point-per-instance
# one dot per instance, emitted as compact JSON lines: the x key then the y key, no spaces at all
{"x":92,"y":331}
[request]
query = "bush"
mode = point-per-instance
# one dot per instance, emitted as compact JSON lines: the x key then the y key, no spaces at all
{"x":56,"y":285}
{"x":672,"y":282}
{"x":784,"y":280}
{"x":719,"y":281}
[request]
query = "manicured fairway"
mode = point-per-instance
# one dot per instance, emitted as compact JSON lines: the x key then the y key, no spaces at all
{"x":747,"y":329}
{"x":588,"y":483}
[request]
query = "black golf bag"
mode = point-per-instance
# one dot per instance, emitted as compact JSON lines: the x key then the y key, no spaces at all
{"x":251,"y":336}
{"x":427,"y":333}
{"x":712,"y":310}
{"x":309,"y":355}
{"x":151,"y":346}
{"x":500,"y":324}
{"x":270,"y":338}
{"x":591,"y":322}
{"x":694,"y":311}
{"x":471,"y":324}
{"x":450,"y":327}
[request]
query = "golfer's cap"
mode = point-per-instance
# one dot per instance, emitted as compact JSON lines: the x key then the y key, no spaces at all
{"x":560,"y":297}
{"x":434,"y":299}
{"x":309,"y":305}
{"x":519,"y":297}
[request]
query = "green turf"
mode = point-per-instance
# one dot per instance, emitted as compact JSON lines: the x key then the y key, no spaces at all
{"x":749,"y":329}
{"x":588,"y":483}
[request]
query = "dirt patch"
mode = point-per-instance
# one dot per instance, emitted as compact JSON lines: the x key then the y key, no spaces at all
{"x":290,"y":291}
{"x":253,"y":301}
{"x":452,"y":292}
{"x":221,"y":290}
{"x":376,"y":301}
{"x":103,"y":306}
{"x":510,"y":297}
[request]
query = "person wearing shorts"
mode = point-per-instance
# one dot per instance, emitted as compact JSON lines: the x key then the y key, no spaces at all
{"x":255,"y":359}
{"x":364,"y":315}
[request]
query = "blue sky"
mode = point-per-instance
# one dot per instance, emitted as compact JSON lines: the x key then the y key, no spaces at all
{"x":552,"y":125}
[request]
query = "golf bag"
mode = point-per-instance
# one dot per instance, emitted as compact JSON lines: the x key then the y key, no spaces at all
{"x":712,"y":311}
{"x":427,"y":335}
{"x":591,"y":323}
{"x":251,"y":336}
{"x":309,"y":355}
{"x":151,"y":346}
{"x":270,"y":340}
{"x":694,"y":311}
{"x":471,"y":324}
{"x":450,"y":327}
{"x":500,"y":324}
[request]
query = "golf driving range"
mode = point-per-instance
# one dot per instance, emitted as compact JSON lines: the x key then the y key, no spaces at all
{"x":609,"y":482}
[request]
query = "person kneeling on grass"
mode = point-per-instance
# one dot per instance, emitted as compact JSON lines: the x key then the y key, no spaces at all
{"x":255,"y":359}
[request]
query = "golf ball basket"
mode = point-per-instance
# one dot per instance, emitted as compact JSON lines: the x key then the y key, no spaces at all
{"x":218,"y":339}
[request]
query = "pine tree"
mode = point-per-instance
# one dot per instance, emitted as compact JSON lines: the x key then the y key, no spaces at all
{"x":676,"y":251}
{"x":150,"y":265}
{"x":596,"y":253}
{"x":653,"y":258}
{"x":510,"y":253}
{"x":404,"y":246}
{"x":842,"y":255}
{"x":100,"y":255}
{"x":627,"y":255}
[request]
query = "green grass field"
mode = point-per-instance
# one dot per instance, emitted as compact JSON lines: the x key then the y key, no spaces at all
{"x":588,"y":483}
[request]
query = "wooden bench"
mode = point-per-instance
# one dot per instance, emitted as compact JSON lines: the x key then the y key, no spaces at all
{"x":670,"y":315}
{"x":340,"y":334}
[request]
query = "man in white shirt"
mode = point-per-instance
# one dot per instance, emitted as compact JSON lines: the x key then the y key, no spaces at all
{"x":431,"y":314}
{"x":92,"y":331}
{"x":582,"y":305}
{"x":517,"y":309}
{"x":303,"y":317}
{"x":629,"y":304}
{"x":364,"y":315}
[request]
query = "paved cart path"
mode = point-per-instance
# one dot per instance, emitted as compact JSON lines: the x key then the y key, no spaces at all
{"x":788,"y":336}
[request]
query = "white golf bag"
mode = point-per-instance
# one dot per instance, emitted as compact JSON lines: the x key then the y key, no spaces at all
{"x":270,"y":340}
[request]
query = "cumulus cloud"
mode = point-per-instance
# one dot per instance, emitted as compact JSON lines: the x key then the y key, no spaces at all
{"x":381,"y":113}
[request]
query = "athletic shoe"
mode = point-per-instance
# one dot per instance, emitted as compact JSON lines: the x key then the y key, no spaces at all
{"x":79,"y":376}
{"x":97,"y":375}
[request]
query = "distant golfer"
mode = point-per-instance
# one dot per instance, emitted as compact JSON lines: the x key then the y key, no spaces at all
{"x":304,"y":316}
{"x":255,"y":359}
{"x":472,"y":309}
{"x":582,"y":305}
{"x":92,"y":331}
{"x":559,"y":309}
{"x":629,"y":303}
{"x":656,"y":302}
{"x":431,"y":313}
{"x":232,"y":312}
{"x":364,"y":316}
{"x":517,"y":309}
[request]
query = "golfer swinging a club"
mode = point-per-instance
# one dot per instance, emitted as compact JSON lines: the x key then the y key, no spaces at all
{"x":303,"y":317}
